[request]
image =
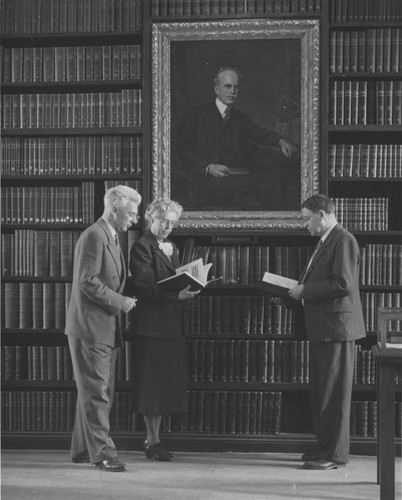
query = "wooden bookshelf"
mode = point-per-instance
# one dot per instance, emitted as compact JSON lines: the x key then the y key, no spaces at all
{"x":129,"y":23}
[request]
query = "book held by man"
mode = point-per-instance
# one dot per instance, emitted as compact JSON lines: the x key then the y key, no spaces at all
{"x":278,"y":285}
{"x":194,"y":274}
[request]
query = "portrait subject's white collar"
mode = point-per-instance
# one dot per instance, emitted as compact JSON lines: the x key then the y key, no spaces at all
{"x":221,"y":107}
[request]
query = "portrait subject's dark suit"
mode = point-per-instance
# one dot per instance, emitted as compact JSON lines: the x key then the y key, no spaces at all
{"x":205,"y":138}
{"x":94,"y":332}
{"x":334,"y":320}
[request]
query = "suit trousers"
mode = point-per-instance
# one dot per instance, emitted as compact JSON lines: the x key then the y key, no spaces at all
{"x":331,"y":380}
{"x":94,"y":368}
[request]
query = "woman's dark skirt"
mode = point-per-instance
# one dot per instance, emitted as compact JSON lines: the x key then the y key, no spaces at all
{"x":160,"y":376}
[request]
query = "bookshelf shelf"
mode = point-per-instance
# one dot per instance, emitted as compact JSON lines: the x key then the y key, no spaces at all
{"x":216,"y":386}
{"x":72,"y":39}
{"x":365,"y":76}
{"x":72,"y":87}
{"x":363,"y":25}
{"x":72,"y":177}
{"x":245,"y":336}
{"x":377,"y":129}
{"x":192,"y":442}
{"x":33,"y":132}
{"x":365,"y":179}
{"x":264,"y":386}
{"x":36,"y":279}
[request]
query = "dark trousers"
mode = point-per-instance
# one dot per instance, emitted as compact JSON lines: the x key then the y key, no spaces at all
{"x":94,"y":368}
{"x":331,"y":380}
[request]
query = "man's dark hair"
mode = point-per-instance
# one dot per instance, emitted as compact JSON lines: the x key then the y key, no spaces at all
{"x":319,"y":202}
{"x":226,"y":68}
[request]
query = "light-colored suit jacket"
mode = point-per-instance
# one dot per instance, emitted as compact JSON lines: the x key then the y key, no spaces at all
{"x":332,"y":306}
{"x":98,"y":280}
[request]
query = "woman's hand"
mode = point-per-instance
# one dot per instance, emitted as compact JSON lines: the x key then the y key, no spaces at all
{"x":129,"y":303}
{"x":187,"y":294}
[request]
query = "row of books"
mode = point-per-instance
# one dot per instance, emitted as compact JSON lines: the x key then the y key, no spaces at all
{"x":43,"y":306}
{"x":48,"y":205}
{"x":375,"y":50}
{"x":240,"y":264}
{"x":362,"y":214}
{"x":51,"y":362}
{"x":72,"y":16}
{"x":353,"y":11}
{"x":176,"y":8}
{"x":72,"y":64}
{"x":270,"y":361}
{"x":35,"y":305}
{"x":82,"y":155}
{"x":250,"y":315}
{"x":36,"y":362}
{"x":364,"y":103}
{"x":76,"y":110}
{"x":365,"y":160}
{"x":364,"y":419}
{"x":364,"y":367}
{"x":381,"y":264}
{"x":371,"y":301}
{"x":39,"y":306}
{"x":210,"y":412}
{"x":215,"y":412}
{"x":27,"y":252}
{"x":208,"y":361}
{"x":235,"y":412}
{"x":47,"y":253}
{"x":37,"y":411}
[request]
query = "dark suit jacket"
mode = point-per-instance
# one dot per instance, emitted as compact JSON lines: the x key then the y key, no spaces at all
{"x":98,"y":281}
{"x":158,"y":313}
{"x":332,"y":304}
{"x":201,"y":139}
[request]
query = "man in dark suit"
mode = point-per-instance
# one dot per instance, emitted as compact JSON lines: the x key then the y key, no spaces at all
{"x":221,"y":151}
{"x":329,"y":289}
{"x":93,"y":327}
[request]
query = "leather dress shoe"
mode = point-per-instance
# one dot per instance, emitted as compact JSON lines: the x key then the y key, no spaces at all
{"x":321,"y":464}
{"x":310,"y":457}
{"x":81,"y":458}
{"x":111,"y":465}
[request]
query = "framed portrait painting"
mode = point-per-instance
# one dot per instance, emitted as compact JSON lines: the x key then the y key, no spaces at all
{"x":235,"y":120}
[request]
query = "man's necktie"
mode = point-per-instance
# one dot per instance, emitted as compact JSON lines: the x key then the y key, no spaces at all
{"x":116,"y":239}
{"x":226,"y":115}
{"x":317,"y":247}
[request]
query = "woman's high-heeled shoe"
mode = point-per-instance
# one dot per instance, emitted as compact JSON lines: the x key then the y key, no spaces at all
{"x":157,"y":452}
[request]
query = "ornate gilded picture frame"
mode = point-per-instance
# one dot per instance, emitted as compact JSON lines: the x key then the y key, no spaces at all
{"x":275,"y":66}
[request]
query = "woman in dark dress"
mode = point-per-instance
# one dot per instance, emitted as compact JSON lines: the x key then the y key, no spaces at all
{"x":160,"y":378}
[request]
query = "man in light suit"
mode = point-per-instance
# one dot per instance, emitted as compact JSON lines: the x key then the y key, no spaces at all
{"x":329,"y":289}
{"x":93,"y":327}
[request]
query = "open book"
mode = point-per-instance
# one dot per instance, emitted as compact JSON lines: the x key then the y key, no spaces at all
{"x":277,"y":285}
{"x":195,"y":274}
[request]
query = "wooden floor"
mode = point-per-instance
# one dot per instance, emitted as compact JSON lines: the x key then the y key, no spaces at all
{"x":49,"y":475}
